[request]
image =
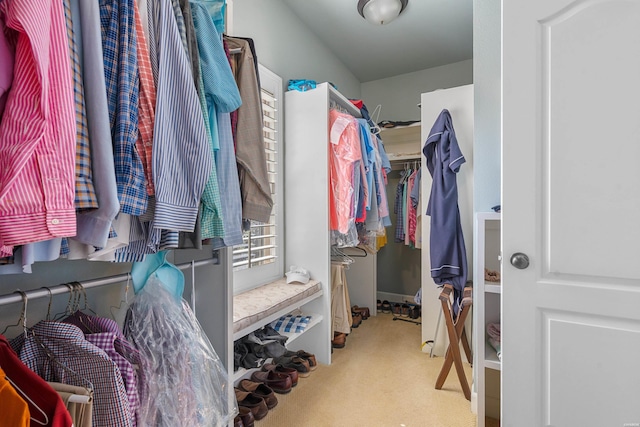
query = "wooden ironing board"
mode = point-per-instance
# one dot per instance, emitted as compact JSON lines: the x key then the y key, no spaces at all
{"x":457,"y":333}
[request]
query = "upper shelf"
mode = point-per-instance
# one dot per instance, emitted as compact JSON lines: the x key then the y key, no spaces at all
{"x":401,"y":135}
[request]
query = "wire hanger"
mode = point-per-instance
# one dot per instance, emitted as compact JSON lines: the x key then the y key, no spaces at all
{"x":125,"y":300}
{"x":48,"y":318}
{"x":60,"y":315}
{"x":33,"y":404}
{"x":374,"y":120}
{"x":22,"y":320}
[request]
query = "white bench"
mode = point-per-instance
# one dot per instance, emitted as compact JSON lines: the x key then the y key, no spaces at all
{"x":262,"y":305}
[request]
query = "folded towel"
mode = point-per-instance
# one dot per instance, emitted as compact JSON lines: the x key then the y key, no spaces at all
{"x":291,"y":323}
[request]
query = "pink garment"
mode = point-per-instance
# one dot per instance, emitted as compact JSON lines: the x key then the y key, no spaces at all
{"x":344,"y":151}
{"x":6,"y":67}
{"x":38,"y":129}
{"x":411,"y":211}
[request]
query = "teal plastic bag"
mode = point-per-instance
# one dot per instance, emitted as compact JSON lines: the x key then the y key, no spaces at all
{"x":157,"y":265}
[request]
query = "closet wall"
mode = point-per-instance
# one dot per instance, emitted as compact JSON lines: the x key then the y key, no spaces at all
{"x":287,"y":47}
{"x":459,"y":102}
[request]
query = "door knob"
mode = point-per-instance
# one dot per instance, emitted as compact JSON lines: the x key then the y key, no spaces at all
{"x":520,"y":260}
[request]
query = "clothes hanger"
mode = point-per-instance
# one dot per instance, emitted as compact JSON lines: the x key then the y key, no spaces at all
{"x":67,"y":310}
{"x":48,"y":318}
{"x":33,"y":404}
{"x":125,"y":300}
{"x":22,"y":320}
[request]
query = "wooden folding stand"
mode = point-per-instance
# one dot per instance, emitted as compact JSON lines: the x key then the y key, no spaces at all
{"x":457,"y":333}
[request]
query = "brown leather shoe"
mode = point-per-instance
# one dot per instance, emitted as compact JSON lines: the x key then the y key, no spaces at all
{"x":280,"y":383}
{"x":364,"y":311}
{"x":310,"y":358}
{"x":262,"y":390}
{"x":356,"y":319}
{"x":246,"y":416}
{"x":255,"y":403}
{"x":292,"y":372}
{"x":339,"y":340}
{"x":237,"y":421}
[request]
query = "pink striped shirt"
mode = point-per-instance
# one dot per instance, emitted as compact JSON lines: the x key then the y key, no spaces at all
{"x":37,"y":132}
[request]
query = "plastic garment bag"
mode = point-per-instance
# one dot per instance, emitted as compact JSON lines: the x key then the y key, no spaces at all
{"x":186,"y":383}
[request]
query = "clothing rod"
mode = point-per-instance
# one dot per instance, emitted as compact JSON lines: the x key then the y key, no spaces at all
{"x":61,"y":289}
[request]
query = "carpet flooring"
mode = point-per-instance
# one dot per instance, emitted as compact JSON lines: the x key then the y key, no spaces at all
{"x":380,"y":378}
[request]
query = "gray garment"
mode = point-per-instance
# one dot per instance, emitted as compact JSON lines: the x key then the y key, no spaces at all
{"x":447,"y":248}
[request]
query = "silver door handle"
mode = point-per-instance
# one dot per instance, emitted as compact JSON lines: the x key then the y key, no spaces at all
{"x":520,"y":260}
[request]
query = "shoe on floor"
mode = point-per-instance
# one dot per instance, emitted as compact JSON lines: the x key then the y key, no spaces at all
{"x":255,"y":403}
{"x":397,"y":309}
{"x":295,"y":362}
{"x":356,"y":319}
{"x":405,"y":310}
{"x":310,"y":358}
{"x":247,"y":416}
{"x":379,"y":305}
{"x":292,"y":372}
{"x":261,"y":390}
{"x":339,"y":340}
{"x":386,"y":306}
{"x":364,"y":311}
{"x":280,"y":383}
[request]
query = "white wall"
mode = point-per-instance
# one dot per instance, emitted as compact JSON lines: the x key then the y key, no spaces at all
{"x":287,"y":47}
{"x":486,"y":77}
{"x":400,"y":95}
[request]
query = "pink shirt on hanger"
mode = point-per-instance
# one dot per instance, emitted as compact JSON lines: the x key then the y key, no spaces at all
{"x":6,"y":67}
{"x":37,"y":132}
{"x":344,"y":151}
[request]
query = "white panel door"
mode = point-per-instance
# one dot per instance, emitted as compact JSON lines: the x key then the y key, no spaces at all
{"x":571,"y":203}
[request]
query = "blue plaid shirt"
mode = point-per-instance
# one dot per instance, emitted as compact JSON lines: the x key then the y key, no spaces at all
{"x":121,"y":77}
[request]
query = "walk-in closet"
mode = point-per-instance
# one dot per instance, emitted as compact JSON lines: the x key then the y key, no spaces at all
{"x":286,"y":213}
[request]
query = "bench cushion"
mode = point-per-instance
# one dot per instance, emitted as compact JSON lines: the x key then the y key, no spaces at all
{"x":251,"y":306}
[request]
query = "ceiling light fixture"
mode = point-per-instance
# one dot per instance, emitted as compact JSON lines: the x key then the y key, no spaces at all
{"x":381,"y":12}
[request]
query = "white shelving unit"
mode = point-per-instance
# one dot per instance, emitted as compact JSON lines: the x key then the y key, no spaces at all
{"x":306,"y":164}
{"x":486,"y":298}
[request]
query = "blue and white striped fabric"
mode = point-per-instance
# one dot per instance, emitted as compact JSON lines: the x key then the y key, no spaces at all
{"x":291,"y":323}
{"x":182,"y":158}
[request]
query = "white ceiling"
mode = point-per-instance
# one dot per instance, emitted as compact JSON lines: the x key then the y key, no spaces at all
{"x":429,"y":33}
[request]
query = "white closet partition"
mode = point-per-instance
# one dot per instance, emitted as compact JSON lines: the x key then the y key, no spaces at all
{"x":306,"y":171}
{"x":459,"y":102}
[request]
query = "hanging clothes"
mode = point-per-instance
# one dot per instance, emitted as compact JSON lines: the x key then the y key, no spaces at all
{"x":41,"y":397}
{"x":37,"y":162}
{"x":81,"y":413}
{"x":59,"y":352}
{"x":447,"y":247}
{"x":257,"y":203}
{"x":14,"y":409}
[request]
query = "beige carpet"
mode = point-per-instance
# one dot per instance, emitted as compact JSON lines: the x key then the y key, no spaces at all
{"x":381,"y":378}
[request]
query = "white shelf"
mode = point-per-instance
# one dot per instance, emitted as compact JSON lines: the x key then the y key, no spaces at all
{"x":491,"y":359}
{"x":493,"y":287}
{"x":315,"y":319}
